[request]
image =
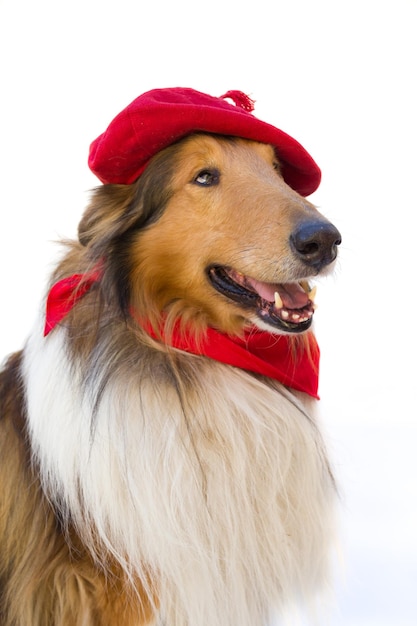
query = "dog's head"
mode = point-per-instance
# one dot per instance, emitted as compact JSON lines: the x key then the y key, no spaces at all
{"x":211,"y":234}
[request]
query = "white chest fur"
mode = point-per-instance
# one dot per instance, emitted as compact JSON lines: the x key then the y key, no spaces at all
{"x":218,"y":485}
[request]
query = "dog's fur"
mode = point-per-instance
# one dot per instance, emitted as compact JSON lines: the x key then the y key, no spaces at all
{"x":140,"y":484}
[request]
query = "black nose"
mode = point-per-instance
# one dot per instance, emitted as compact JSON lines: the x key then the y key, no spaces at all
{"x":315,"y":242}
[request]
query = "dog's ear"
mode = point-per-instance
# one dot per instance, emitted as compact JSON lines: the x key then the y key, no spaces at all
{"x":115,"y":209}
{"x":108,"y":214}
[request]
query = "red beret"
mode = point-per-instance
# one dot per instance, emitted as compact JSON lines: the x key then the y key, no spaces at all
{"x":158,"y":118}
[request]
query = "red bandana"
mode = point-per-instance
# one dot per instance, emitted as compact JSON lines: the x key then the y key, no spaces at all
{"x":258,"y":351}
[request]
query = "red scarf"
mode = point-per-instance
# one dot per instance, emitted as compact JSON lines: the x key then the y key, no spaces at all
{"x":258,"y":351}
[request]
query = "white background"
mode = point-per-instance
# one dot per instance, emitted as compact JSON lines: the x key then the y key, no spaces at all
{"x":341,"y":78}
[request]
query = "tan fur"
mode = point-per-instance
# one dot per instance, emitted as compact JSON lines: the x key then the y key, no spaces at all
{"x":57,"y":567}
{"x":46,"y":576}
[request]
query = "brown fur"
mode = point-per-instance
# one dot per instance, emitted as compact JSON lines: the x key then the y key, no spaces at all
{"x":46,"y":575}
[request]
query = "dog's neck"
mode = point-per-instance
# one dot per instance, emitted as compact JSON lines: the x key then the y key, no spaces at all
{"x":258,"y":351}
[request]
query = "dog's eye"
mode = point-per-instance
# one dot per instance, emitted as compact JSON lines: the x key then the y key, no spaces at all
{"x":207,"y":178}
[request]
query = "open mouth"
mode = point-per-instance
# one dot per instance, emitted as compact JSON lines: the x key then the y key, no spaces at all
{"x":286,"y":306}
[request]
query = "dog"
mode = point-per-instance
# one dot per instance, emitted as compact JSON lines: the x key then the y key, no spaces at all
{"x":151,"y":472}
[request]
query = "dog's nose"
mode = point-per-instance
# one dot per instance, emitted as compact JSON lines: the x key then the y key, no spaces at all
{"x":315,"y":242}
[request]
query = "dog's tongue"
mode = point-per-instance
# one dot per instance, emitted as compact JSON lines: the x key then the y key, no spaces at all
{"x":292,"y":295}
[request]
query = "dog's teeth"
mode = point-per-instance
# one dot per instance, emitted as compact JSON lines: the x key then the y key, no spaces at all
{"x":278,"y":302}
{"x":312,"y":293}
{"x":284,"y":314}
{"x":296,"y":316}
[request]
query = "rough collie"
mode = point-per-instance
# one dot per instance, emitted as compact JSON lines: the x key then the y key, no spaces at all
{"x":146,"y":478}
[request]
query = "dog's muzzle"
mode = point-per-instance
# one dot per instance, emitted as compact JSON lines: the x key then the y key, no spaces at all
{"x":289,"y":306}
